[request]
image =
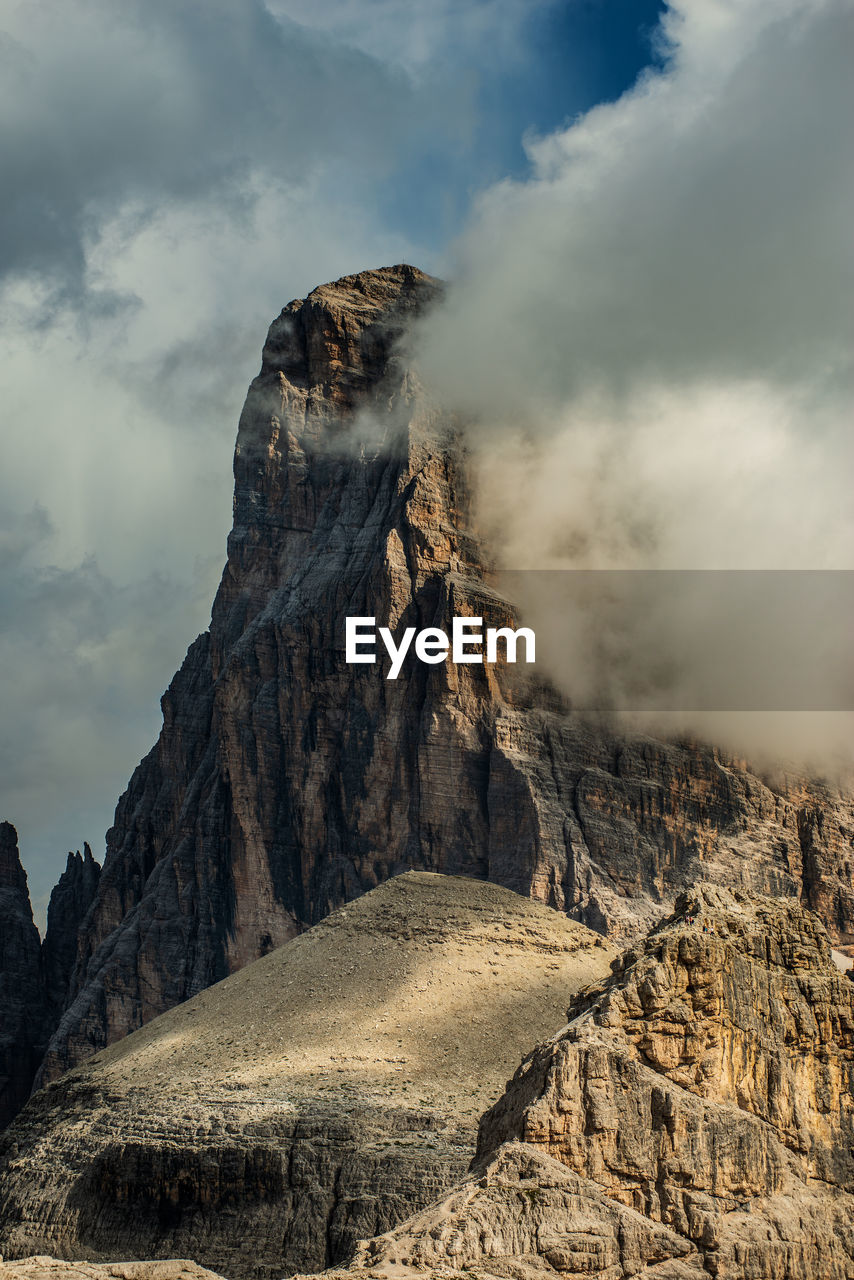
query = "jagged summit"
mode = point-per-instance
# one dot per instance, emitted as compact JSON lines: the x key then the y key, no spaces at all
{"x":340,"y":336}
{"x":34,"y":975}
{"x":318,"y":1095}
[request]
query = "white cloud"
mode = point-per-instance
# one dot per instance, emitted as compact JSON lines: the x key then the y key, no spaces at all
{"x":696,"y":228}
{"x":419,"y":34}
{"x":653,"y":333}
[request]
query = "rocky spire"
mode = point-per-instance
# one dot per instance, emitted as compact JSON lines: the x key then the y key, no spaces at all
{"x":23,"y":1011}
{"x":70,"y":901}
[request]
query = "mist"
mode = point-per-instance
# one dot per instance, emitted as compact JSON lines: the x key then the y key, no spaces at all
{"x":650,"y":340}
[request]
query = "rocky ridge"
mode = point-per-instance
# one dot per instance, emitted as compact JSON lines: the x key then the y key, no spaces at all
{"x":694,"y":1118}
{"x":286,"y":782}
{"x":318,"y":1096}
{"x":709,"y":1084}
{"x":70,"y":900}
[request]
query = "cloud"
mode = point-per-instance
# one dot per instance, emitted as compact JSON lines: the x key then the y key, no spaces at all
{"x":419,"y":34}
{"x":81,"y":670}
{"x":651,"y":336}
{"x":107,"y":108}
{"x":695,"y":229}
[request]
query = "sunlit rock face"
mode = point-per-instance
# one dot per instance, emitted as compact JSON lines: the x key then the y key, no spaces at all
{"x":709,"y":1085}
{"x":286,"y":781}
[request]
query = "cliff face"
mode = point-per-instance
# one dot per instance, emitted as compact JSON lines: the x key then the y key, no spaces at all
{"x":23,"y":1012}
{"x":286,"y":782}
{"x":694,"y":1119}
{"x":709,"y":1085}
{"x":318,"y":1096}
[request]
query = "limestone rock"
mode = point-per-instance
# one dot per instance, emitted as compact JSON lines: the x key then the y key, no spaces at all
{"x":709,"y":1084}
{"x":285,"y":782}
{"x":524,"y":1215}
{"x":23,"y":1012}
{"x":316,"y":1097}
{"x":44,"y":1268}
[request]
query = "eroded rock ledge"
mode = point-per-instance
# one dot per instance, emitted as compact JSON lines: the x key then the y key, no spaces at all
{"x":694,"y":1118}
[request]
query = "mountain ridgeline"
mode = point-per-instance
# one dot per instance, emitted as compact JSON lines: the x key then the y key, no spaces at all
{"x":286,"y":782}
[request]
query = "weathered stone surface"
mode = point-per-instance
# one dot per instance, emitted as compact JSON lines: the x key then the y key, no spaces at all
{"x":709,"y":1084}
{"x":316,"y":1097}
{"x":44,"y":1268}
{"x":286,"y":782}
{"x":523,"y":1215}
{"x":24,"y":1024}
{"x":69,"y":905}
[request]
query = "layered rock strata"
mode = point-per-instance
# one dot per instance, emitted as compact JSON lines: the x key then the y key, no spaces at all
{"x":45,"y":1268}
{"x":317,"y":1097}
{"x":522,"y":1215}
{"x":286,"y":782}
{"x":694,"y":1118}
{"x":709,"y":1085}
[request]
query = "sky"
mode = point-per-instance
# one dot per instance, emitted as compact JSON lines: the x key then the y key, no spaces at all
{"x":642,"y":210}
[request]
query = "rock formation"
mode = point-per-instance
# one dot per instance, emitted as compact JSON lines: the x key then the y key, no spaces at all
{"x":70,"y":900}
{"x":44,"y":1268}
{"x":23,"y":1012}
{"x":522,"y":1215}
{"x":709,"y":1084}
{"x":318,"y":1096}
{"x":695,"y":1118}
{"x":286,"y":782}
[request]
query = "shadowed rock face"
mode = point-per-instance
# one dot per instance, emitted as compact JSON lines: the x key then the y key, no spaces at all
{"x":318,"y":1096}
{"x":34,"y":975}
{"x":23,"y":1012}
{"x":70,"y":900}
{"x":286,"y":782}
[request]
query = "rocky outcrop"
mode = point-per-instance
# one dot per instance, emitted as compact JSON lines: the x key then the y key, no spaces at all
{"x":69,"y":905}
{"x":24,"y":1026}
{"x":44,"y":1268}
{"x":709,"y":1085}
{"x":286,"y":782}
{"x":694,"y":1118}
{"x":316,"y":1097}
{"x":524,"y":1216}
